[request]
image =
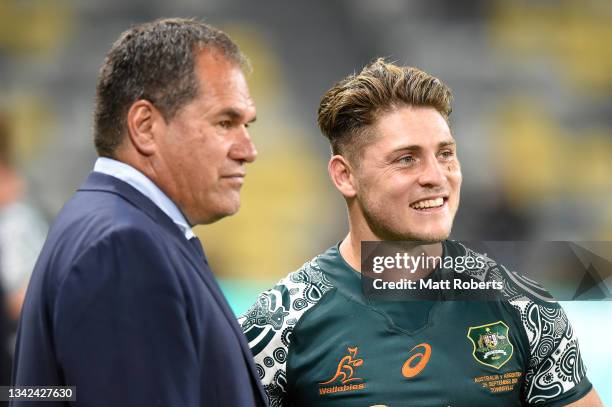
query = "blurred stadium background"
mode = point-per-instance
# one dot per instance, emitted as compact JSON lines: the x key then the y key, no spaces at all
{"x":532,"y":115}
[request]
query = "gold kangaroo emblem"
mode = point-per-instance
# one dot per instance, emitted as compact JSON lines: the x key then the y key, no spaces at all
{"x":346,"y":368}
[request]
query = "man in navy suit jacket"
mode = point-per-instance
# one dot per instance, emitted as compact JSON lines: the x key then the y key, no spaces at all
{"x":122,"y":303}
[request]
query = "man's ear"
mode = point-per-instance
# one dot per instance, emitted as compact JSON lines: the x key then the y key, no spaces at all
{"x":342,"y":175}
{"x":144,"y":123}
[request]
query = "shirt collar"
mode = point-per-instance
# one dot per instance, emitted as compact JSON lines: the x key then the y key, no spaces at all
{"x":145,"y":186}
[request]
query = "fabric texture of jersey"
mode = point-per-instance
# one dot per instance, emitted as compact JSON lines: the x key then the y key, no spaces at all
{"x":317,"y":340}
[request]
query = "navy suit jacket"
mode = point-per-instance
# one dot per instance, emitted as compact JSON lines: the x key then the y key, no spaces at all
{"x":123,"y":307}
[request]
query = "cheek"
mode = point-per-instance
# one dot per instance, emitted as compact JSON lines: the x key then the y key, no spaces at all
{"x":382,"y":191}
{"x":456,"y":179}
{"x":454,"y":174}
{"x":208,"y":176}
{"x":400,"y":186}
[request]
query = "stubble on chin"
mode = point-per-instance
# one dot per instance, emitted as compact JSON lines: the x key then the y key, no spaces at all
{"x":387,"y":228}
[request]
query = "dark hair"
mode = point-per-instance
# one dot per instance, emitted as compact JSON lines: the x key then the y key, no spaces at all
{"x":153,"y":61}
{"x":355,"y":102}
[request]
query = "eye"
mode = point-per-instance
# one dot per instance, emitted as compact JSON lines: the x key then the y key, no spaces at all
{"x":447,"y":155}
{"x":225,"y":124}
{"x":406,"y":160}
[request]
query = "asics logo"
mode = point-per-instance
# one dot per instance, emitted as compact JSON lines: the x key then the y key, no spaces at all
{"x":417,"y":362}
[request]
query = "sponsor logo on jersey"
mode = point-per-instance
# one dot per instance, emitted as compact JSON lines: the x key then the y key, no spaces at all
{"x":417,"y":362}
{"x":344,"y":379}
{"x":491,"y":344}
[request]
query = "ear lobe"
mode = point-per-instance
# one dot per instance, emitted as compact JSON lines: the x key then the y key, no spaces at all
{"x":144,"y":122}
{"x":341,"y":174}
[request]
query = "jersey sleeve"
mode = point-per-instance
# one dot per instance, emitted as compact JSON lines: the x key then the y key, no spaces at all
{"x":556,"y":374}
{"x":269,"y":323}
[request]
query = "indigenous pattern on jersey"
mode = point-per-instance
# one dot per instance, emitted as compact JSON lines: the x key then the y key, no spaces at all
{"x":268,"y":324}
{"x":555,"y":365}
{"x":317,"y":340}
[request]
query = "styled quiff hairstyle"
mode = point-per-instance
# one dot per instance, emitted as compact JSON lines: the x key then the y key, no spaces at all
{"x":153,"y":61}
{"x":352,"y":105}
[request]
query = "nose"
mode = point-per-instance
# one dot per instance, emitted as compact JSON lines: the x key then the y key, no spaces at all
{"x":432,"y":174}
{"x":243,"y":148}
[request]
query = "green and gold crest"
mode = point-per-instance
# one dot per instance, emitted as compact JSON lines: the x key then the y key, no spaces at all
{"x":491,"y":343}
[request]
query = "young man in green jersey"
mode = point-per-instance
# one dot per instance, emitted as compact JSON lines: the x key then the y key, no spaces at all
{"x":318,"y":340}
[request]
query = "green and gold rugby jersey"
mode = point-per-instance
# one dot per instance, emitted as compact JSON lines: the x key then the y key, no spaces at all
{"x":318,"y":341}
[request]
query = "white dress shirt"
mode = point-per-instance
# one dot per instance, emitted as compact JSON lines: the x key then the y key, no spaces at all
{"x":145,"y":186}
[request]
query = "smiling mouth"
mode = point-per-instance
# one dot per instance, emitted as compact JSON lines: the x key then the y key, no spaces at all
{"x":430,"y":204}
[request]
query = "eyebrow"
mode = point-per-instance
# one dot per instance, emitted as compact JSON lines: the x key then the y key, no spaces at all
{"x":234,"y":114}
{"x":416,"y":147}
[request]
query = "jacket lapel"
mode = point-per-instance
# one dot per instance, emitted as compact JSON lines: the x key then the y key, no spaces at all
{"x":196,"y":256}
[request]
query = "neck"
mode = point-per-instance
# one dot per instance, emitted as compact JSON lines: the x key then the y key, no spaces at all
{"x":11,"y":186}
{"x":350,"y":248}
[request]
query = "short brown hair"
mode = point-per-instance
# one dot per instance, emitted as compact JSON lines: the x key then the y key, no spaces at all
{"x":355,"y":102}
{"x":153,"y":61}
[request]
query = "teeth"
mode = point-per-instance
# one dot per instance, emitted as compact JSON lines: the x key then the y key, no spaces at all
{"x":428,"y":203}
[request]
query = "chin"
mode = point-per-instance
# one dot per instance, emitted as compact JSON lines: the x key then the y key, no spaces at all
{"x":218,"y":211}
{"x":207,"y":219}
{"x":433,"y":238}
{"x":229,"y":210}
{"x":424,"y":236}
{"x":411,"y":236}
{"x":407,"y":228}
